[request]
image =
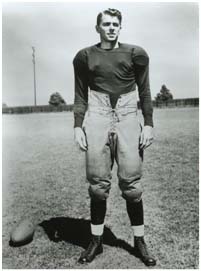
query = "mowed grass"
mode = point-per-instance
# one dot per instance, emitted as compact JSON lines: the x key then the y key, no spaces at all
{"x":44,"y":180}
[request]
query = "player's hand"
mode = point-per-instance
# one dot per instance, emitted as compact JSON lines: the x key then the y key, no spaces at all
{"x":80,"y":138}
{"x":146,"y":137}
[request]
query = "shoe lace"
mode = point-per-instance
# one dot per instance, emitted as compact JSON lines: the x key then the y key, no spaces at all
{"x":91,"y":246}
{"x":143,"y":248}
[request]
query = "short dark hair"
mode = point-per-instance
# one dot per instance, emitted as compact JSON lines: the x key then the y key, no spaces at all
{"x":111,"y":12}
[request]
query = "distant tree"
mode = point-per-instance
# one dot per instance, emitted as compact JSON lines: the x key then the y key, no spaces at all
{"x":164,"y":95}
{"x":56,"y":99}
{"x":4,"y":105}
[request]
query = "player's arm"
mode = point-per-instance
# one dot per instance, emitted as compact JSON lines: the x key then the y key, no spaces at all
{"x":141,"y":66}
{"x":80,"y":98}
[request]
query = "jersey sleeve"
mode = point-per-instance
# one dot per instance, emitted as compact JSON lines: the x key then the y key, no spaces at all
{"x":80,"y":87}
{"x":141,"y":69}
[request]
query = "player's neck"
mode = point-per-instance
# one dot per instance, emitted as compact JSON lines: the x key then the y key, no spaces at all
{"x":109,"y":45}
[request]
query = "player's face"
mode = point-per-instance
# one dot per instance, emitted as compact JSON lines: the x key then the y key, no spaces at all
{"x":109,"y":28}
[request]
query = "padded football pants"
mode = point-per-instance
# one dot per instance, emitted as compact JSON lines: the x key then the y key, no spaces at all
{"x":113,"y":134}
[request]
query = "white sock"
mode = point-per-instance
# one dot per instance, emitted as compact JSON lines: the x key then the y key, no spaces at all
{"x":138,"y":230}
{"x":97,"y":229}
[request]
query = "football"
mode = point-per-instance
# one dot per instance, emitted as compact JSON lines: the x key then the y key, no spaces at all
{"x":23,"y":233}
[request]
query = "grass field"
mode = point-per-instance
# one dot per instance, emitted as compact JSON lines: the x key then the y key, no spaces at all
{"x":44,"y":179}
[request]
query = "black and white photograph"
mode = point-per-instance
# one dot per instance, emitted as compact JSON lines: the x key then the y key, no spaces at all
{"x":100,"y":135}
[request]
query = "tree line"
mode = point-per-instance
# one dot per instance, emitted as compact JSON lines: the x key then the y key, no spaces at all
{"x":56,"y":99}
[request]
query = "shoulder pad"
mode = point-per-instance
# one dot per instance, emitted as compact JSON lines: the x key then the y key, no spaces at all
{"x":140,"y":57}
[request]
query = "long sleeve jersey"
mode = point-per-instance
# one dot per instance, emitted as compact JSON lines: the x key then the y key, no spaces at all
{"x":112,"y":72}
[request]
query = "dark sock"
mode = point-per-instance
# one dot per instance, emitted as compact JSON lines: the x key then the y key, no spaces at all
{"x":98,"y":211}
{"x":135,"y":212}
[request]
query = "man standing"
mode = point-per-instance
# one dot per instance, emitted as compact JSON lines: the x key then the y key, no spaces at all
{"x":107,"y":126}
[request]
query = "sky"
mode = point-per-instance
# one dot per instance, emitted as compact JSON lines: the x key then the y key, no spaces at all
{"x":168,"y":31}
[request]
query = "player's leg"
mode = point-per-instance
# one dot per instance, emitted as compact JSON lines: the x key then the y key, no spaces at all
{"x":129,"y":159}
{"x":98,"y":171}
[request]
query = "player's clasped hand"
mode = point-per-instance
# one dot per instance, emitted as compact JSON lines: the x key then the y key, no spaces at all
{"x":80,"y":138}
{"x":146,"y":137}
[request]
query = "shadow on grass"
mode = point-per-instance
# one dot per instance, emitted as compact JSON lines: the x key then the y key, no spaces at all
{"x":77,"y":232}
{"x":19,"y":244}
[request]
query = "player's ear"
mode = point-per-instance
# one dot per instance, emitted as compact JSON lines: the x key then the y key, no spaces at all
{"x":97,"y":29}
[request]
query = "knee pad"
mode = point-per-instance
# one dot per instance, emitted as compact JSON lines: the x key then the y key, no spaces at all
{"x":99,"y":193}
{"x":133,"y":194}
